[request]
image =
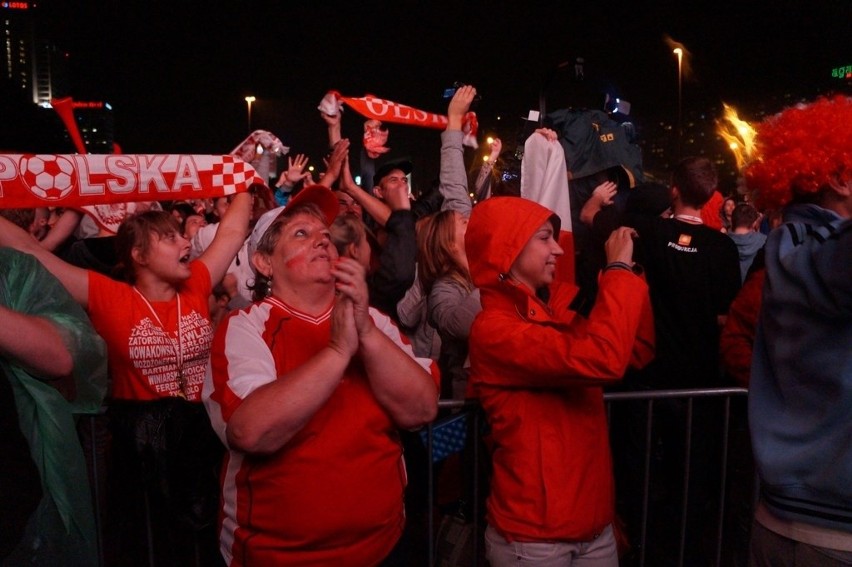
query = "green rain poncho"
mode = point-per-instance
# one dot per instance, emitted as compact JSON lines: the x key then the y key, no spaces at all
{"x":62,"y":528}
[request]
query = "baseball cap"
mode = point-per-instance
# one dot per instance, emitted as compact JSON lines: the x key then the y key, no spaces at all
{"x":319,"y":195}
{"x":402,"y":164}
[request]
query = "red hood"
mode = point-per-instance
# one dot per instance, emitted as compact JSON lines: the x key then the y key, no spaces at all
{"x":498,"y":230}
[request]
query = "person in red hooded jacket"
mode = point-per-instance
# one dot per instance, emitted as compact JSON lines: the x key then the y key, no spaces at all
{"x":537,"y":368}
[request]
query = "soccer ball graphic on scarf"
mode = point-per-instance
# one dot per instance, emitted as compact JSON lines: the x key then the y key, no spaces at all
{"x":49,"y":177}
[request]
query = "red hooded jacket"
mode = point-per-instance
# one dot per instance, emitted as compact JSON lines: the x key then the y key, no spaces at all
{"x":537,"y":369}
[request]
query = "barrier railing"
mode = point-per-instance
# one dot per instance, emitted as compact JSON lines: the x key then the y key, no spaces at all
{"x":650,"y":399}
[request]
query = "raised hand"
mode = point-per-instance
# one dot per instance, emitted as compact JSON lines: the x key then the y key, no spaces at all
{"x":334,"y":129}
{"x":335,"y":162}
{"x":549,"y":134}
{"x":350,"y":282}
{"x":496,"y":148}
{"x":605,"y":192}
{"x":459,"y":105}
{"x":332,"y":121}
{"x":619,"y":245}
{"x":344,"y":334}
{"x":295,"y":171}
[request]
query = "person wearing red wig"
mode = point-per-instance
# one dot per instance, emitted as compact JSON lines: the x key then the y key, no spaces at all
{"x":801,"y":378}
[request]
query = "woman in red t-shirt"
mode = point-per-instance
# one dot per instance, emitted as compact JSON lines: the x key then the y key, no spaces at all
{"x":158,"y":334}
{"x":308,"y":388}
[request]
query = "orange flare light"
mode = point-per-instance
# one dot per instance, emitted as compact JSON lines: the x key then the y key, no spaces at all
{"x":738,"y":134}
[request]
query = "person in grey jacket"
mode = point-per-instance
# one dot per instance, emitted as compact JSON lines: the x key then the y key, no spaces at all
{"x":452,"y":299}
{"x":744,"y":222}
{"x":801,"y":380}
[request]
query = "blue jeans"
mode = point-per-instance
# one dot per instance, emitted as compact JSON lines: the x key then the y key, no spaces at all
{"x":598,"y":552}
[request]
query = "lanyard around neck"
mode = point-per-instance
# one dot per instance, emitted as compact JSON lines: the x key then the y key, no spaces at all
{"x":177,"y":344}
{"x":690,"y":219}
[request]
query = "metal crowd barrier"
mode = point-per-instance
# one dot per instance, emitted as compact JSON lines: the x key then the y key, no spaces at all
{"x":613,"y":399}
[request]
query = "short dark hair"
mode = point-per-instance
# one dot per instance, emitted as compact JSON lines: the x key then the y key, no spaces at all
{"x":135,"y":232}
{"x":696,"y":179}
{"x":184,"y":209}
{"x":744,"y":216}
{"x":23,"y":218}
{"x":384,"y":170}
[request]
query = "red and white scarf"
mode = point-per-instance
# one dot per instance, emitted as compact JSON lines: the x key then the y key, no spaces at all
{"x":84,"y":181}
{"x":383,"y":110}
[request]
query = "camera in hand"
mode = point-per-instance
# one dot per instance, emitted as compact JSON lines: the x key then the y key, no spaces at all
{"x":450,"y":91}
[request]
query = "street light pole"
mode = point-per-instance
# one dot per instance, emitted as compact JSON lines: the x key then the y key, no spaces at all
{"x":249,"y":100}
{"x":679,"y":52}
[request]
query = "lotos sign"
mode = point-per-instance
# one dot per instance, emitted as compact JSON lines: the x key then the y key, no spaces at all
{"x":77,"y":181}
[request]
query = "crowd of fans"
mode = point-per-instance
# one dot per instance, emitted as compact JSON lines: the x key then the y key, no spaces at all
{"x":264,"y":358}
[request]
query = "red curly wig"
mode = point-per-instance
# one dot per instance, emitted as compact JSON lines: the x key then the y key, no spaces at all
{"x":800,"y":150}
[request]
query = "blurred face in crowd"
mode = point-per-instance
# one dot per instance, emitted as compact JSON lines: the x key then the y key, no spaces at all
{"x":360,"y":251}
{"x":192,"y":224}
{"x":395,"y":180}
{"x":55,"y":213}
{"x":40,"y":223}
{"x":348,"y":206}
{"x":536,"y":264}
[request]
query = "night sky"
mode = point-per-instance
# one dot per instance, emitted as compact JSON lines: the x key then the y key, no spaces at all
{"x":177,"y":73}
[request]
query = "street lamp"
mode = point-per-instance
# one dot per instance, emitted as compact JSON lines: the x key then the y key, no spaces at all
{"x":249,"y":100}
{"x":679,"y":52}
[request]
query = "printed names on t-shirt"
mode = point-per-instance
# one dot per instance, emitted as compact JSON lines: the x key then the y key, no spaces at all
{"x":155,"y":354}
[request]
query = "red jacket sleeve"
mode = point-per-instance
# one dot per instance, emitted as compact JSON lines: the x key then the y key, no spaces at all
{"x":736,"y":342}
{"x":509,"y":350}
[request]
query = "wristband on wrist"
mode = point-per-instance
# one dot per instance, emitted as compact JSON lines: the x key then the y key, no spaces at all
{"x":635,"y":268}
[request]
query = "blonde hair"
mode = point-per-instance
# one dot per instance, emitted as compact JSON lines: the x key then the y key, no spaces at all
{"x":346,"y":230}
{"x":436,"y":254}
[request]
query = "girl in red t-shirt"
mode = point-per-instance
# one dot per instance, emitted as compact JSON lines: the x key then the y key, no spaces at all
{"x":156,"y":326}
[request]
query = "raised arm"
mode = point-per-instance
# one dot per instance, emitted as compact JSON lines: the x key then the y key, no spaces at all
{"x":453,"y":177}
{"x":334,"y":127}
{"x":601,"y":197}
{"x":480,"y":187}
{"x":373,"y":206}
{"x":63,"y":229}
{"x":75,"y":280}
{"x":229,"y":237}
{"x":335,"y":163}
{"x":294,"y":173}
